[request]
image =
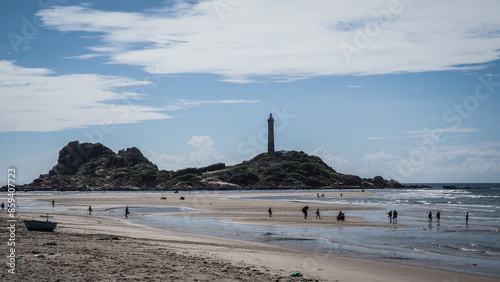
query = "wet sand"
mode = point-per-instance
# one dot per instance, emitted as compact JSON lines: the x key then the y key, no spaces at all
{"x":96,"y":248}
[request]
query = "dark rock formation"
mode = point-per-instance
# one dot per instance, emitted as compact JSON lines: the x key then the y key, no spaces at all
{"x":86,"y":166}
{"x":94,"y":167}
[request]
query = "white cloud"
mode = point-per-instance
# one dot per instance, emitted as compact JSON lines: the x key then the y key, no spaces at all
{"x":475,"y":163}
{"x":183,"y":104}
{"x":382,"y":138}
{"x":293,"y":39}
{"x":427,"y":131}
{"x":381,"y":163}
{"x":203,"y":154}
{"x":36,"y":99}
{"x":85,"y":56}
{"x":432,"y":135}
{"x":340,"y":164}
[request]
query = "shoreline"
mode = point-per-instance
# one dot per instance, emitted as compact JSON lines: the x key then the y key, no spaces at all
{"x":266,"y":258}
{"x":233,"y":254}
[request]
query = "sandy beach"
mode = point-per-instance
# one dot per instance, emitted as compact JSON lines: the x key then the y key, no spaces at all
{"x":97,"y":248}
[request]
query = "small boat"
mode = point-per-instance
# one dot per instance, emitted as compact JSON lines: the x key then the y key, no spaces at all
{"x":35,"y":225}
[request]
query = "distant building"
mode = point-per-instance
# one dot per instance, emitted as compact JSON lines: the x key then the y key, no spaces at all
{"x":270,"y":134}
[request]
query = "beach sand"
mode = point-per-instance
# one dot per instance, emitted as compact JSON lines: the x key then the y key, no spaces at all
{"x":96,"y":248}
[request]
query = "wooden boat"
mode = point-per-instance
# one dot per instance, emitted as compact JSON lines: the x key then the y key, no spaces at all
{"x":35,"y":225}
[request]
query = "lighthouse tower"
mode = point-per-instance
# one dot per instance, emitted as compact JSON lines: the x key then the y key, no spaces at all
{"x":270,"y":134}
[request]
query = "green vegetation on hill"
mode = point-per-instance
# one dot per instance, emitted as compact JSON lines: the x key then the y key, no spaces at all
{"x":191,"y":176}
{"x":282,"y":168}
{"x":87,"y":166}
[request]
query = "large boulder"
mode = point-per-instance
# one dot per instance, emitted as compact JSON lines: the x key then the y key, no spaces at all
{"x":351,"y":180}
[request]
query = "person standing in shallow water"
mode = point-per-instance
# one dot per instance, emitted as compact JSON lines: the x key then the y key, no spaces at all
{"x":270,"y":212}
{"x":390,"y":216}
{"x":430,"y":215}
{"x":90,"y":210}
{"x":317,"y":214}
{"x":395,"y":217}
{"x":126,"y":212}
{"x":438,"y":216}
{"x":467,"y":218}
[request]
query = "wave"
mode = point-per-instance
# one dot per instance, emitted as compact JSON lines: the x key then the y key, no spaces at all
{"x":427,"y":252}
{"x":469,"y":250}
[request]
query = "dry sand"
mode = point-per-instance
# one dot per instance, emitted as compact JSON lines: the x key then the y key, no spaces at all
{"x":95,"y":248}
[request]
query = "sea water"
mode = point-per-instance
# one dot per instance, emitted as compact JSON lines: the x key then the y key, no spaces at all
{"x":451,"y":243}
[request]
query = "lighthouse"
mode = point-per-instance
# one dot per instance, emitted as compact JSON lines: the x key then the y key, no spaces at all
{"x":270,"y":134}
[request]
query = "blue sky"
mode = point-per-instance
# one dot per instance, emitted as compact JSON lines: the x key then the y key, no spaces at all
{"x":407,"y":90}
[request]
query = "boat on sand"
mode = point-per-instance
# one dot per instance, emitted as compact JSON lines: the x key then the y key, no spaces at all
{"x":35,"y":225}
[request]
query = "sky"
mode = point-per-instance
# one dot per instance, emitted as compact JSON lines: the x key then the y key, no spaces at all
{"x":408,"y":90}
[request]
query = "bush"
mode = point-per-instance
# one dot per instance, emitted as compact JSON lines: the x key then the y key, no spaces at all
{"x":214,"y":167}
{"x":309,"y":168}
{"x":290,"y":166}
{"x":246,"y":178}
{"x":187,"y":177}
{"x":189,"y":170}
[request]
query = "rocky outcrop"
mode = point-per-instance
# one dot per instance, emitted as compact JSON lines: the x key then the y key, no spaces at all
{"x":94,"y":167}
{"x":215,"y":184}
{"x":86,"y":166}
{"x":294,"y":170}
{"x":351,"y":180}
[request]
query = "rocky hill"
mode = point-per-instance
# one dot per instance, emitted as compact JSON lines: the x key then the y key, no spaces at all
{"x":94,"y":167}
{"x":86,"y":166}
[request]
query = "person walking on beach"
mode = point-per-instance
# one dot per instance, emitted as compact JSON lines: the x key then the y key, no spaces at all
{"x":390,"y":216}
{"x":395,"y":217}
{"x":90,"y":210}
{"x":270,"y":212}
{"x":430,"y":215}
{"x":317,"y":214}
{"x":304,"y":210}
{"x":467,"y":218}
{"x":126,"y":212}
{"x":3,"y":206}
{"x":53,"y":203}
{"x":438,"y":216}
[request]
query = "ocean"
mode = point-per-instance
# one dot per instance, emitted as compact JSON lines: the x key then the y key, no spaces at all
{"x":448,"y":244}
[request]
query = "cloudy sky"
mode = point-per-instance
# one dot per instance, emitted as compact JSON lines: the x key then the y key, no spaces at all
{"x":407,"y":90}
